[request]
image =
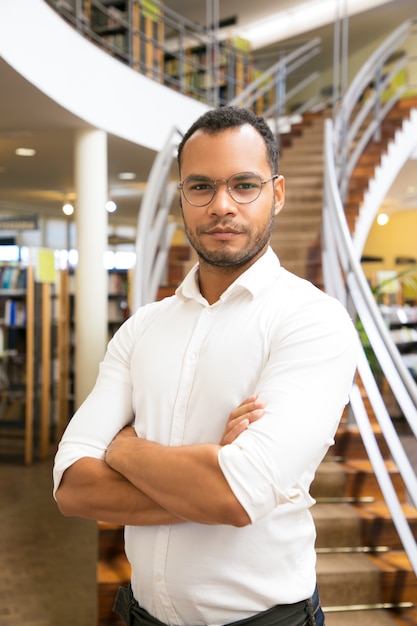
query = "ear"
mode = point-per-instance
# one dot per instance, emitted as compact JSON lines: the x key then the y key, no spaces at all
{"x":279,"y":191}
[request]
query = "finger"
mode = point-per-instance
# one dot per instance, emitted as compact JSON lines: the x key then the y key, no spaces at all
{"x":237,"y":426}
{"x":230,"y":435}
{"x":248,"y":406}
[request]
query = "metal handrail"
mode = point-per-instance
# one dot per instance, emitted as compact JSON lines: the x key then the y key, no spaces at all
{"x":344,"y":279}
{"x":275,"y":79}
{"x":155,"y":231}
{"x":352,"y":126}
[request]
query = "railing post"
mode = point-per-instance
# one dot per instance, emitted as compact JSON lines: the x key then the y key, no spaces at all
{"x":212,"y":24}
{"x":377,"y":109}
{"x":79,"y":15}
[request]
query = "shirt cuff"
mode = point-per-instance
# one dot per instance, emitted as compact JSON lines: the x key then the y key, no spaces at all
{"x":255,"y":491}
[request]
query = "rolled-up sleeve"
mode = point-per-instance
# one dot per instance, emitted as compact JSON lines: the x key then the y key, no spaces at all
{"x":106,"y":410}
{"x":305,"y":385}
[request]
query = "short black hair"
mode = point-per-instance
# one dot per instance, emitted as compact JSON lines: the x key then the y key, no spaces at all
{"x":225,"y":117}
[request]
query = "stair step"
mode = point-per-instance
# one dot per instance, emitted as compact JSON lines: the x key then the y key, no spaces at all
{"x":338,"y":525}
{"x":377,"y":526}
{"x":330,"y":481}
{"x":110,"y":576}
{"x":307,"y":182}
{"x":293,"y":166}
{"x":359,"y":618}
{"x":399,"y":582}
{"x":299,"y":224}
{"x":110,"y":540}
{"x":404,"y":617}
{"x":361,"y":480}
{"x":348,"y":579}
{"x":290,"y":252}
{"x":285,"y":237}
{"x":295,"y":193}
{"x":349,"y":444}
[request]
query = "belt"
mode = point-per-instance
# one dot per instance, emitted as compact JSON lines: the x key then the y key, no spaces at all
{"x":297,"y":614}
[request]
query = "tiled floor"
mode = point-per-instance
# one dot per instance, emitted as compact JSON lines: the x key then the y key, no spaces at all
{"x":47,"y":562}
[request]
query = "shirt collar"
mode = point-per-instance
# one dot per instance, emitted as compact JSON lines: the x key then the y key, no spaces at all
{"x":258,"y":276}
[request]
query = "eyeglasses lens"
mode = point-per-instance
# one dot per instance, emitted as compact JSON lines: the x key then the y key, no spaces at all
{"x":243,"y":188}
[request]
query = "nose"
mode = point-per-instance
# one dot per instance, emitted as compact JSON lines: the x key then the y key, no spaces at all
{"x":222,"y":203}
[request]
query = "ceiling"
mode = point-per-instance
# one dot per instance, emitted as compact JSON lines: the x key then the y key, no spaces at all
{"x":40,"y":185}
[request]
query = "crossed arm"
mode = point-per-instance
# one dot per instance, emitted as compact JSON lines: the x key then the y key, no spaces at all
{"x":142,"y":483}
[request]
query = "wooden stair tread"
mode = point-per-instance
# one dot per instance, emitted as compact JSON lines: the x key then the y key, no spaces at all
{"x":359,"y":618}
{"x":404,"y":617}
{"x":346,"y":579}
{"x":399,"y":582}
{"x":337,"y":526}
{"x":372,"y":510}
{"x":114,"y":571}
{"x":364,"y":465}
{"x":392,"y":561}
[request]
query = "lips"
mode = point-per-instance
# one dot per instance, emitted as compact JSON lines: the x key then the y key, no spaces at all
{"x":222,"y":231}
{"x":222,"y":234}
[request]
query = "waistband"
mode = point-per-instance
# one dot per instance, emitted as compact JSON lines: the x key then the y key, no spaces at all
{"x":133,"y":614}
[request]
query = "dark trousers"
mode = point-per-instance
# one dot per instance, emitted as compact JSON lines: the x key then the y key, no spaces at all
{"x":304,"y":613}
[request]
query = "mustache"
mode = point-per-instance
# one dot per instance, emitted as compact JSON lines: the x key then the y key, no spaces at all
{"x":221,"y":224}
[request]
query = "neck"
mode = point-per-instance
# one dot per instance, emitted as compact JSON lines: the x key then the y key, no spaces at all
{"x":214,"y":280}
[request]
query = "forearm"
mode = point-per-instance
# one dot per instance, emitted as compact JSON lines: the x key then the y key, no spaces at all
{"x":185,"y":480}
{"x":91,"y":489}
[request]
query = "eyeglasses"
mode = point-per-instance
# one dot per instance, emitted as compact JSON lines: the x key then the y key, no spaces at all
{"x":243,"y":188}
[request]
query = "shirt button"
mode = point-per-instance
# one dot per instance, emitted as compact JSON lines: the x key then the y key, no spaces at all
{"x":158,"y":578}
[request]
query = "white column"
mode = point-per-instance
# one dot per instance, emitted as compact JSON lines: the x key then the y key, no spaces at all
{"x":91,"y":277}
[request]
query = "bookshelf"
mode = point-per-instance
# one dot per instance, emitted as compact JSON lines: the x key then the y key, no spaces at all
{"x":109,"y":23}
{"x":131,"y":30}
{"x":31,"y":351}
{"x":216,"y":75}
{"x":17,"y":374}
{"x":148,"y":39}
{"x":119,"y":306}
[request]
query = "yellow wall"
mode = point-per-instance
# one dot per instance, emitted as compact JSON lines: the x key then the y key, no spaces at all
{"x":397,"y":238}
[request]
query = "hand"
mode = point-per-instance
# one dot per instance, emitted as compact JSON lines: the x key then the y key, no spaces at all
{"x":249,"y":411}
{"x":118,"y":444}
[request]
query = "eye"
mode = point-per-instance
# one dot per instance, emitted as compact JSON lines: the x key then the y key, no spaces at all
{"x":245,"y":183}
{"x":201,"y":186}
{"x":195,"y":185}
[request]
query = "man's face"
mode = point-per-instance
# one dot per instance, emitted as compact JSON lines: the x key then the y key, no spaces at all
{"x":225,"y":233}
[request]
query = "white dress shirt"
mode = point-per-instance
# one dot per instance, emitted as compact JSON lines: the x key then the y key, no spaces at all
{"x":178,"y":368}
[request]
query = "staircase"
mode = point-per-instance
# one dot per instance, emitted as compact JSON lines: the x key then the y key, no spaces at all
{"x":297,"y":234}
{"x":364,"y":576}
{"x":371,"y":158}
{"x":361,"y":568}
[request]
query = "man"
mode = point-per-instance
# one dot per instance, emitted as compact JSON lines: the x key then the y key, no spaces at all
{"x":235,"y":387}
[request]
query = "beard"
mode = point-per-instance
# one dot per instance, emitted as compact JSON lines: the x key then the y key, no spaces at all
{"x":256,"y":241}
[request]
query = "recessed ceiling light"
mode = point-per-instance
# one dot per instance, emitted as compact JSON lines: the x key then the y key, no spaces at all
{"x":127,"y":176}
{"x":111,"y":206}
{"x":382,"y":219}
{"x":25,"y":152}
{"x":68,"y":209}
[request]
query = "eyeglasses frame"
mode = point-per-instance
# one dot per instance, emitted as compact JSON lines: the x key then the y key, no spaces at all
{"x":226,"y":180}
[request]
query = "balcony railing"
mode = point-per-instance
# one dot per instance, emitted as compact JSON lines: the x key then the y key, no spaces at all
{"x":199,"y":62}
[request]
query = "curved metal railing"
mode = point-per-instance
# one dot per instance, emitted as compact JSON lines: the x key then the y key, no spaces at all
{"x":344,"y":277}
